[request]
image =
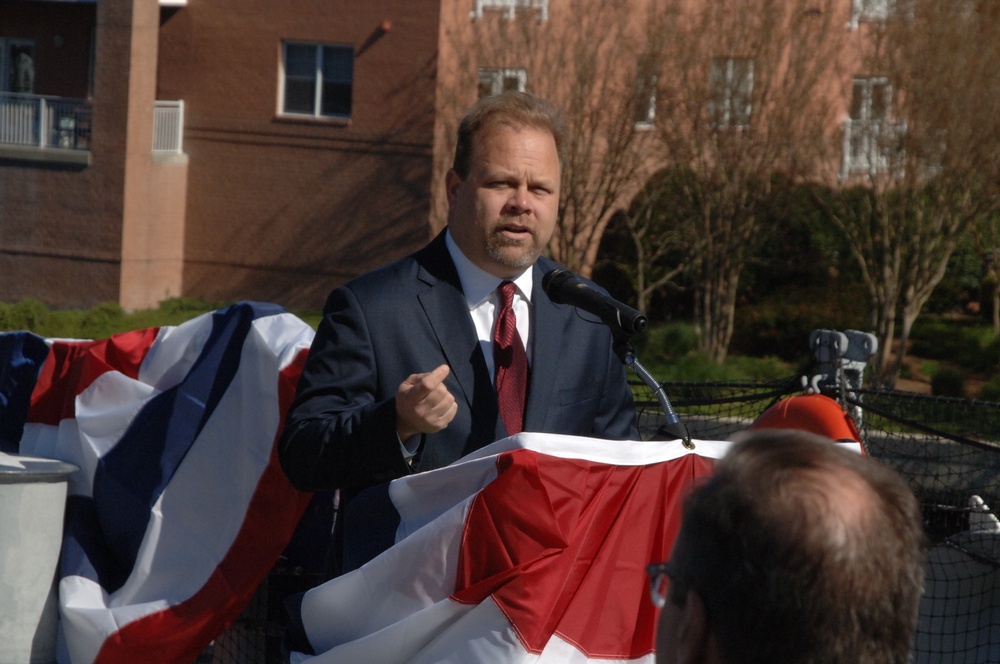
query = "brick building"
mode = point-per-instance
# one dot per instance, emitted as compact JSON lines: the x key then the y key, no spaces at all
{"x":277,"y":190}
{"x":239,"y":149}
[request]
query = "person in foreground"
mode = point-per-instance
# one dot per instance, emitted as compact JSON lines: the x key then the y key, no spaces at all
{"x":405,"y":369}
{"x":795,"y":551}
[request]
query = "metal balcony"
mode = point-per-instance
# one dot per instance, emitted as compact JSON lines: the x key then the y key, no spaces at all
{"x":168,"y":127}
{"x":62,"y":123}
{"x":44,"y":122}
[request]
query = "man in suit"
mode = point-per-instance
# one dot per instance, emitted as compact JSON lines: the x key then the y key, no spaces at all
{"x":795,"y":551}
{"x":401,"y":375}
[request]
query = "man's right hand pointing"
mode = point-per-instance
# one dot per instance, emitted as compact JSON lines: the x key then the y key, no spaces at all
{"x":424,"y":404}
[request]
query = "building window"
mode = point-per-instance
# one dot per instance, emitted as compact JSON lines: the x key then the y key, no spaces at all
{"x":318,"y":80}
{"x":869,"y":136}
{"x":869,"y":10}
{"x":495,"y":81}
{"x":509,"y":7}
{"x":732,"y":90}
{"x":17,"y":66}
{"x":644,"y":102}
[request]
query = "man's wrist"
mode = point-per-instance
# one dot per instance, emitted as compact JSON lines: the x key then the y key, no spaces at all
{"x":408,"y":445}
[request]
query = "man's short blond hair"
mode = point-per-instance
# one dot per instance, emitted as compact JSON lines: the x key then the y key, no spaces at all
{"x":508,"y":109}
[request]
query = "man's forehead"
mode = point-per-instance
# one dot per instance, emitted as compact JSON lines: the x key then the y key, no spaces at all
{"x":486,"y":142}
{"x":491,"y":132}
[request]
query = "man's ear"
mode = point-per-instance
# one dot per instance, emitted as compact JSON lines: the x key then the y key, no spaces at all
{"x":693,"y":636}
{"x":452,"y":181}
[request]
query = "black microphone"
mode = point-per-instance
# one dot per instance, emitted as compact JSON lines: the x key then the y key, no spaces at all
{"x":564,"y":287}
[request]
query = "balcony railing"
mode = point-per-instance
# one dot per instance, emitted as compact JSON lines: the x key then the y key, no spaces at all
{"x":59,"y":122}
{"x":44,"y":122}
{"x":510,"y":7}
{"x":168,"y":127}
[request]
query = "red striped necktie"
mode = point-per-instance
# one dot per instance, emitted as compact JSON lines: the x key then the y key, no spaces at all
{"x":510,"y":362}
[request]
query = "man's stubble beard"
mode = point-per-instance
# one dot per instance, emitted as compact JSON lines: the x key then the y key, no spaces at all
{"x":500,"y":249}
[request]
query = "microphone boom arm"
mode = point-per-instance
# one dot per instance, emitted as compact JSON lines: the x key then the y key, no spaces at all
{"x":564,"y":287}
{"x":674,"y":428}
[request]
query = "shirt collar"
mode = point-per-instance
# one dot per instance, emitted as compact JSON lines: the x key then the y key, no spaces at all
{"x":477,"y":283}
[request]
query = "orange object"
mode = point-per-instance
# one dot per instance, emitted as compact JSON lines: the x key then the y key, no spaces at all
{"x":816,"y":413}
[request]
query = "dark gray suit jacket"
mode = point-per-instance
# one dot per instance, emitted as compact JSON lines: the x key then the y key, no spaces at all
{"x":409,"y":317}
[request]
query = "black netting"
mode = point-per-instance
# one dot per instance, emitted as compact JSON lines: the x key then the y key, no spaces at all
{"x":256,"y":636}
{"x":710,"y":411}
{"x":949,"y":452}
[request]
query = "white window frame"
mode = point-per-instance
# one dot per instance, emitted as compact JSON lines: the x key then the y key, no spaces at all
{"x":869,"y":11}
{"x":318,"y":80}
{"x":734,"y":108}
{"x":510,"y":7}
{"x":869,"y":132}
{"x":496,"y":78}
{"x":645,"y":94}
{"x":645,"y":116}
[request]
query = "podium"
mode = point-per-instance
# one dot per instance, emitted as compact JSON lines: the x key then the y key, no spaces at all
{"x":533,"y":548}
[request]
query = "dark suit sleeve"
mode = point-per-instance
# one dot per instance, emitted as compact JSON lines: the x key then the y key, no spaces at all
{"x":616,"y":417}
{"x":341,"y":428}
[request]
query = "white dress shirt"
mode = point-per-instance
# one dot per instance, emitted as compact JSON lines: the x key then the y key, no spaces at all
{"x":480,"y":288}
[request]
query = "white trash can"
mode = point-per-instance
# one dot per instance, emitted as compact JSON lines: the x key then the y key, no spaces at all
{"x":32,"y":505}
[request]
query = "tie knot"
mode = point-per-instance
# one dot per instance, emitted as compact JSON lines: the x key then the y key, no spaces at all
{"x":506,"y":290}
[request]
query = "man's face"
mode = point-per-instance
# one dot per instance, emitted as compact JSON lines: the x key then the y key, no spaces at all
{"x":503,"y":214}
{"x":682,"y":633}
{"x":667,"y":637}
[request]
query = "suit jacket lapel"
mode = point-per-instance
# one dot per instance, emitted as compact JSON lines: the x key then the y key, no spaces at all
{"x":548,"y":320}
{"x":443,"y":302}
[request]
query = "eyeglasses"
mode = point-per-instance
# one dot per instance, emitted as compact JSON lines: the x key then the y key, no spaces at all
{"x":660,"y":577}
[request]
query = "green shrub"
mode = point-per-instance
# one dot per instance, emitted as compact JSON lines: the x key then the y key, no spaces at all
{"x":101,"y":321}
{"x":170,"y":312}
{"x":761,"y":368}
{"x":780,"y":326}
{"x":666,"y":342}
{"x":991,"y":390}
{"x":969,"y":346}
{"x":990,"y":357}
{"x":694,"y":366}
{"x":947,"y":382}
{"x":190,"y":306}
{"x":24,"y":315}
{"x":929,"y":367}
{"x":698,"y":367}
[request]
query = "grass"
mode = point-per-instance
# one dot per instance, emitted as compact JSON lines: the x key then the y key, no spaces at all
{"x":668,"y":351}
{"x":966,"y":344}
{"x":929,"y":367}
{"x":696,"y":366}
{"x":108,"y":319}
